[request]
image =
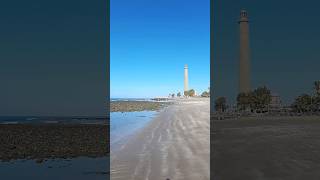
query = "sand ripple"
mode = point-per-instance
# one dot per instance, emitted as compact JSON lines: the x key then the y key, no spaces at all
{"x":175,"y":145}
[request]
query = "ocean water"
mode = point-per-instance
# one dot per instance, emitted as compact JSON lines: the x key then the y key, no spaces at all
{"x":130,"y":99}
{"x":122,"y":125}
{"x":81,"y":168}
{"x":138,"y":99}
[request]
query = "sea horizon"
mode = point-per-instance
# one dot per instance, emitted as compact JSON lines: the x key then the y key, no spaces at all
{"x":52,"y":119}
{"x":129,"y":99}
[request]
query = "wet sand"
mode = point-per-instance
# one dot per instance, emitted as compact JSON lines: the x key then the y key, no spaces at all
{"x":175,"y":145}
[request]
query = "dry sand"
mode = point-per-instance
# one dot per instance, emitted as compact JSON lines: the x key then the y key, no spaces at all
{"x":175,"y":145}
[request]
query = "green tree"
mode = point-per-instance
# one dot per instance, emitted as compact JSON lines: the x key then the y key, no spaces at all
{"x":186,"y":93}
{"x":302,"y":103}
{"x":191,"y":93}
{"x":178,"y":94}
{"x":257,"y":100}
{"x":220,"y":104}
{"x":261,"y":98}
{"x":315,"y":103}
{"x":205,"y":94}
{"x":244,"y":101}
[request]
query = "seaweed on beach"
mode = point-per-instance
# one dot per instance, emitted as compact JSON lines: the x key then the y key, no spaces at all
{"x":129,"y":106}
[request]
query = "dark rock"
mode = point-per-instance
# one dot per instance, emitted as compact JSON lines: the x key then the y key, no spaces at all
{"x":47,"y":141}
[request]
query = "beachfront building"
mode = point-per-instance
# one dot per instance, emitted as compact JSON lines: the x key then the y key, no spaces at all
{"x":275,"y":104}
{"x":275,"y":101}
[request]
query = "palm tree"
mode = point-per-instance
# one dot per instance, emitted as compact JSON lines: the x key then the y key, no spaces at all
{"x":178,"y":94}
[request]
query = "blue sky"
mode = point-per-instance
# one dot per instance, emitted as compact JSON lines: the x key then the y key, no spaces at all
{"x":151,"y":41}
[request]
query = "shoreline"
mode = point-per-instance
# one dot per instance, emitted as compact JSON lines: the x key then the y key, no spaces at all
{"x":174,"y":144}
{"x":120,"y":141}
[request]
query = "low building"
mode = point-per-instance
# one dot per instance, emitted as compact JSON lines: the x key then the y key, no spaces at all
{"x":276,"y":103}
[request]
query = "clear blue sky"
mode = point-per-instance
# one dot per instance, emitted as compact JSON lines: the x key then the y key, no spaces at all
{"x":151,"y":41}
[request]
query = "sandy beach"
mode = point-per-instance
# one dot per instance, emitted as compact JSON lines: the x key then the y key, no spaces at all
{"x":270,"y":148}
{"x":175,"y":145}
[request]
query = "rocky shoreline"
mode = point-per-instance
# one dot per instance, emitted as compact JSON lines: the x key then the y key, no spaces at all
{"x":50,"y":141}
{"x":41,"y":141}
{"x":129,"y":106}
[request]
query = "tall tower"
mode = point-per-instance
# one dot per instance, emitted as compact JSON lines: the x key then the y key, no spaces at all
{"x":244,"y":60}
{"x":186,"y":81}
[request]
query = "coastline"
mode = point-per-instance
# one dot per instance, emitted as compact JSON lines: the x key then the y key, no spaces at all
{"x":175,"y":144}
{"x":129,"y":116}
{"x":45,"y":138}
{"x":126,"y":124}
